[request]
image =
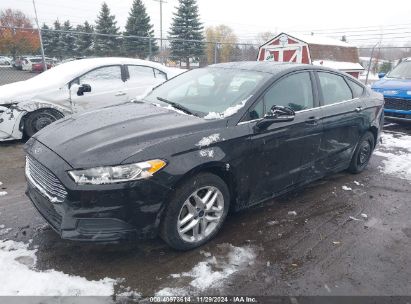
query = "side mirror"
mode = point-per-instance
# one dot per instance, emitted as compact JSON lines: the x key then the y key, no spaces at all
{"x":276,"y":114}
{"x":84,"y":88}
{"x":381,"y":75}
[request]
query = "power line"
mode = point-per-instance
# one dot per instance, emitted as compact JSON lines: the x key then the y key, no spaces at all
{"x":122,"y":36}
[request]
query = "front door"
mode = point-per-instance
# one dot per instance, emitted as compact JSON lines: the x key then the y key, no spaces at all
{"x":107,"y":88}
{"x":285,"y":150}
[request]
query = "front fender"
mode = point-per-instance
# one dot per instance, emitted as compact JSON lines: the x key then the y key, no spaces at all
{"x":11,"y":118}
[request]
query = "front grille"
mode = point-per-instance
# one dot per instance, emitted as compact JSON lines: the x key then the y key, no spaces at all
{"x":45,"y":181}
{"x":398,"y":104}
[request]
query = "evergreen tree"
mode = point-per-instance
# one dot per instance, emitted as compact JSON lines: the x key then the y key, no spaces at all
{"x":106,"y":24}
{"x":138,"y":24}
{"x":84,"y":42}
{"x":47,"y":36}
{"x":68,"y":39}
{"x":186,"y":25}
{"x":56,"y":46}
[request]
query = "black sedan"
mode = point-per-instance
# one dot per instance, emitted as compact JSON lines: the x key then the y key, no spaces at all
{"x":208,"y":141}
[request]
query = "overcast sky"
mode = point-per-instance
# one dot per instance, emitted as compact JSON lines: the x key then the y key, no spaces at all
{"x":248,"y":18}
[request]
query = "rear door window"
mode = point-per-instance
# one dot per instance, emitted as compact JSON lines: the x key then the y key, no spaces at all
{"x":138,"y":71}
{"x":334,"y":88}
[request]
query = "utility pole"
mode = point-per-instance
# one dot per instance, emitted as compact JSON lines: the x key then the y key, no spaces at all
{"x":161,"y":28}
{"x":41,"y":39}
{"x":370,"y":62}
{"x":150,"y":49}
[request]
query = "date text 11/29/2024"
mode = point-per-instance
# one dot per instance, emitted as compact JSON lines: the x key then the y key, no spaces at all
{"x":203,"y":299}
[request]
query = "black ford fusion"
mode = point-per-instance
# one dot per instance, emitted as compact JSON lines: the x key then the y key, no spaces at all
{"x":224,"y":137}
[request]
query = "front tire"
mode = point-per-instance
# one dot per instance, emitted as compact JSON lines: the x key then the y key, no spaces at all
{"x":37,"y":120}
{"x":362,"y":153}
{"x":196,"y":213}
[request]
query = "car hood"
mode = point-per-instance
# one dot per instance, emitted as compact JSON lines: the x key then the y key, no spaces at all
{"x":393,"y":84}
{"x":22,"y":91}
{"x":111,"y":135}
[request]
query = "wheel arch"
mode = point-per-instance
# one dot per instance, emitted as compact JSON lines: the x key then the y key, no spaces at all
{"x":374,"y":131}
{"x":221,"y":169}
{"x":32,"y":107}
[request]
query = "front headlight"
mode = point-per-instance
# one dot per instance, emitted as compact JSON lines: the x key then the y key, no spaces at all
{"x":117,"y":174}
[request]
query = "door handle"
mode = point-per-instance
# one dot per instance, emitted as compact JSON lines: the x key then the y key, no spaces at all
{"x":313,"y":120}
{"x":120,"y":94}
{"x":358,"y":109}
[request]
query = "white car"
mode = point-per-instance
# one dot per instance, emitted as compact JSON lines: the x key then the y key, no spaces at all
{"x":75,"y":86}
{"x":5,"y":60}
{"x":27,"y":63}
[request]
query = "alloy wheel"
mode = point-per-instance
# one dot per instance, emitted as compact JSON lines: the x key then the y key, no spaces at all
{"x":200,"y":214}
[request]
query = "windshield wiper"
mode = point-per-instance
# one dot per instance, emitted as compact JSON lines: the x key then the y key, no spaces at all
{"x":176,"y":106}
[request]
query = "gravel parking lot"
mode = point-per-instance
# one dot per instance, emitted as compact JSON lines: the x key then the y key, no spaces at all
{"x":343,"y":235}
{"x":9,"y":75}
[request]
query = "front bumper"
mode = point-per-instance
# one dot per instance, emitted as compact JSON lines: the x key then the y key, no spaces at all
{"x":10,"y":119}
{"x":97,"y":213}
{"x":397,"y":115}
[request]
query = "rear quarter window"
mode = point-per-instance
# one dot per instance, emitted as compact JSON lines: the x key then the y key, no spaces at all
{"x":357,"y":90}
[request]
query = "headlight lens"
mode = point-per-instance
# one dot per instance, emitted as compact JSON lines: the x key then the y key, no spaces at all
{"x":117,"y":174}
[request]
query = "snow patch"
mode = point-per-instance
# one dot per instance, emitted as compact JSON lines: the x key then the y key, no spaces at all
{"x":213,"y":271}
{"x":3,"y":193}
{"x":358,"y":183}
{"x":339,"y":65}
{"x":346,"y":188}
{"x":129,"y":293}
{"x":4,"y":231}
{"x":18,"y":277}
{"x":397,"y":153}
{"x":207,"y":141}
{"x":207,"y":153}
{"x":228,"y":112}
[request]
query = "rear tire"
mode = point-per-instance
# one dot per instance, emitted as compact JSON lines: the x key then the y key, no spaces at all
{"x":37,"y":120}
{"x":362,"y":153}
{"x":196,"y":213}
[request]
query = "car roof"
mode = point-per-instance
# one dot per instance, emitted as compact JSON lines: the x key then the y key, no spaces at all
{"x":67,"y":71}
{"x":101,"y":61}
{"x":270,"y":67}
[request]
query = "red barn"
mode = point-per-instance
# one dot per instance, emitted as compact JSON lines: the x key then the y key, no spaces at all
{"x":312,"y":49}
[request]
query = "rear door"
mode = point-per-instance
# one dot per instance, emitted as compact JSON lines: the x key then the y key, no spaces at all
{"x":107,"y":88}
{"x":285,"y":150}
{"x":342,"y":120}
{"x":142,"y":79}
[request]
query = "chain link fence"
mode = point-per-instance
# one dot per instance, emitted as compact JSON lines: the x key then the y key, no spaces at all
{"x":20,"y":51}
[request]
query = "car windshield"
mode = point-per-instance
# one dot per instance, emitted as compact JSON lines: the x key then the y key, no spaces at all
{"x":209,"y":92}
{"x":403,"y":70}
